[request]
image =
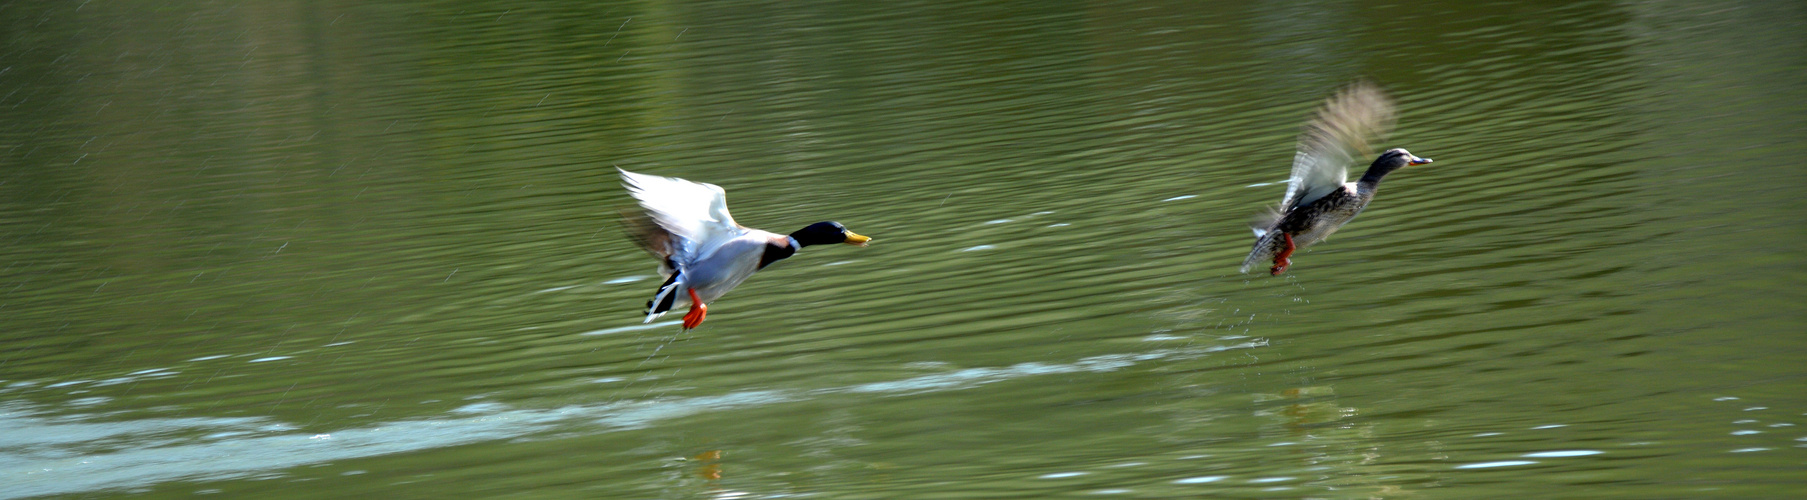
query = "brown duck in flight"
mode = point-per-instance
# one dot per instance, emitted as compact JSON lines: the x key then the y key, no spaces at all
{"x":1319,"y":197}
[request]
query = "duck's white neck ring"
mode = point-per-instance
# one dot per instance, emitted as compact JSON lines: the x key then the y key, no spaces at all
{"x":795,"y":246}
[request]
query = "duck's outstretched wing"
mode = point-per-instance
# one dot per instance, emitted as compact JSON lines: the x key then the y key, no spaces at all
{"x":648,"y":235}
{"x":690,"y":211}
{"x":682,"y":223}
{"x":1344,"y":129}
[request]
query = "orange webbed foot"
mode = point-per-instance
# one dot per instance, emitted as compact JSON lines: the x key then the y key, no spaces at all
{"x":697,"y":311}
{"x":1280,"y":260}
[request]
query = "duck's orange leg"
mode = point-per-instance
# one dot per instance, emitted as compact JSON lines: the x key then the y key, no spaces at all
{"x":1280,"y":259}
{"x":697,"y":310}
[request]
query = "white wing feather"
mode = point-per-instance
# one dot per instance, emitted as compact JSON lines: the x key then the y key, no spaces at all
{"x":692,"y":211}
{"x":1343,"y":130}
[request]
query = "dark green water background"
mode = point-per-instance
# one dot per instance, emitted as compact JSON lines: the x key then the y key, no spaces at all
{"x":365,"y":249}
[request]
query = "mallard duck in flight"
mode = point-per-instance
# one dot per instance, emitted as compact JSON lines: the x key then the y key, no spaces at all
{"x":1319,"y":197}
{"x":702,"y":252}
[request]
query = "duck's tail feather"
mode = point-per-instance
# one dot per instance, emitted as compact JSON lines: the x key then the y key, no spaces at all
{"x":1266,"y":245}
{"x":665,"y":299}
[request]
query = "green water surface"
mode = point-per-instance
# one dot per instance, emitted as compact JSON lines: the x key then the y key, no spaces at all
{"x":338,"y":249}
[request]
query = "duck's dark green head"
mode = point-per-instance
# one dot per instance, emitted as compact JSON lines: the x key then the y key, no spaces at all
{"x":1390,"y":160}
{"x":1399,"y":157}
{"x":826,"y":232}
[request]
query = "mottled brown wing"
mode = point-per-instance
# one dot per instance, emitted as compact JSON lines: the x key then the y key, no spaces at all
{"x":645,"y":232}
{"x":1343,"y":130}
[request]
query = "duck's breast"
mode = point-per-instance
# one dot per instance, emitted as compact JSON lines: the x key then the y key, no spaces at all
{"x":719,"y":271}
{"x":1328,"y":214}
